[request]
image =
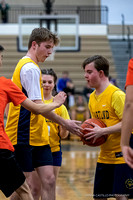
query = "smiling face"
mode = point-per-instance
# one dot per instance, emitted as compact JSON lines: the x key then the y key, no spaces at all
{"x":48,"y":84}
{"x":92,"y":76}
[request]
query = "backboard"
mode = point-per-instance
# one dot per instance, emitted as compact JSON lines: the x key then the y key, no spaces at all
{"x":65,"y":26}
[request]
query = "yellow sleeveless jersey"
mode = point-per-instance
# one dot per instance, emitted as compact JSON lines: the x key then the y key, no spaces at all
{"x":108,"y":106}
{"x":54,"y":135}
{"x":24,"y":127}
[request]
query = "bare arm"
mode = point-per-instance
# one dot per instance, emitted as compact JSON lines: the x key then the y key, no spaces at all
{"x":63,"y":132}
{"x":71,"y":125}
{"x":127,"y":126}
{"x":38,"y":107}
{"x":97,"y":131}
{"x":44,"y":108}
{"x":112,"y":129}
{"x":127,"y":121}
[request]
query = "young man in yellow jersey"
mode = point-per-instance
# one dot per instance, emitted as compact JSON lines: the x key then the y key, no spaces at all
{"x":11,"y":175}
{"x":28,"y":132}
{"x":113,"y":176}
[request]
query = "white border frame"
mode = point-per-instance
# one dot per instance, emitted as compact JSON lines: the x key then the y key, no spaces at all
{"x":65,"y":48}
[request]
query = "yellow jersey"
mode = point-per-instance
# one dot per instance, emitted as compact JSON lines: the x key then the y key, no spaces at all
{"x":108,"y":106}
{"x":24,"y":127}
{"x":54,"y":134}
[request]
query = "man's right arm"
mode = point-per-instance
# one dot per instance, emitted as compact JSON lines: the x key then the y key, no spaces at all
{"x":127,"y":122}
{"x":71,"y":125}
{"x":38,"y":107}
{"x":127,"y":126}
{"x":45,"y":110}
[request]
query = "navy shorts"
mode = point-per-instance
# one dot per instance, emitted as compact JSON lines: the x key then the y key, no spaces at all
{"x":112,"y":180}
{"x":11,"y":175}
{"x":30,"y":157}
{"x":57,"y":158}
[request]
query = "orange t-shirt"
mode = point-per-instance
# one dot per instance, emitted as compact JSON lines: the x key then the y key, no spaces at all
{"x":9,"y":92}
{"x":129,"y":78}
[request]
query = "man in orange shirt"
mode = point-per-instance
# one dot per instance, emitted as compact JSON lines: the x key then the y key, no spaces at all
{"x":127,"y":122}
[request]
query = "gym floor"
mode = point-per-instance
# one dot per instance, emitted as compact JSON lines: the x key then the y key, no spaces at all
{"x":76,"y":177}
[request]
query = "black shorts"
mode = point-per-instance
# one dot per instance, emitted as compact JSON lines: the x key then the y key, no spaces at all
{"x":112,"y":180}
{"x":11,"y":176}
{"x":30,"y":157}
{"x":57,"y":158}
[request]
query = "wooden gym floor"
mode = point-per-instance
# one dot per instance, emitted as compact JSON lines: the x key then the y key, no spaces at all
{"x":76,"y":177}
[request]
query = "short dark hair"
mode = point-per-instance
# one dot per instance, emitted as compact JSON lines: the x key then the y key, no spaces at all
{"x":41,"y":35}
{"x":100,"y":63}
{"x":1,"y":48}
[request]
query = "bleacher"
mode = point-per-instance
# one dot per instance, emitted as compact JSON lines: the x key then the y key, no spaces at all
{"x":71,"y":61}
{"x":121,"y":57}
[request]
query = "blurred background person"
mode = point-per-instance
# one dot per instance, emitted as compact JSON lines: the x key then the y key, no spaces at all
{"x":80,"y":109}
{"x":113,"y":81}
{"x":70,"y":91}
{"x":62,"y":82}
{"x":87,"y":90}
{"x":4,"y":7}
